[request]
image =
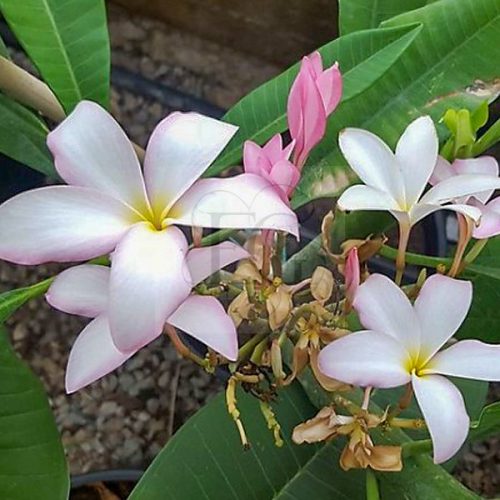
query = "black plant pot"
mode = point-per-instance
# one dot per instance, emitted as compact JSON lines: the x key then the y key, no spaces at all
{"x":120,"y":482}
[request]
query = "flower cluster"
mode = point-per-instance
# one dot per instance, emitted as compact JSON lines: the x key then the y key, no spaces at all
{"x":148,"y":278}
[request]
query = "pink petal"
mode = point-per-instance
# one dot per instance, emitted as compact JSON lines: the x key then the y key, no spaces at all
{"x":81,"y":290}
{"x":286,"y":176}
{"x":444,"y":412}
{"x":366,"y":358}
{"x":329,"y":83}
{"x":361,"y":197}
{"x":373,"y":162}
{"x":352,"y":274}
{"x":180,"y":149}
{"x":314,"y":63}
{"x":467,"y":359}
{"x":93,"y":355}
{"x":458,"y":186}
{"x":245,"y":201}
{"x":205,"y":319}
{"x":254,"y":159}
{"x":91,"y":150}
{"x":204,"y":261}
{"x":417,"y":153}
{"x":441,"y":307}
{"x":382,"y":306}
{"x":489,"y":225}
{"x":442,"y":170}
{"x":306,"y":114}
{"x":61,"y":224}
{"x":273,"y":149}
{"x":149,"y":280}
{"x":486,"y":165}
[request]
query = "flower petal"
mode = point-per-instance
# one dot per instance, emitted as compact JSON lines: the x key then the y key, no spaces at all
{"x":467,"y":359}
{"x":366,"y":358}
{"x":149,"y":280}
{"x":442,"y":170}
{"x":180,"y":149}
{"x":254,"y":160}
{"x":416,"y":153}
{"x":489,"y":224}
{"x":91,"y":150}
{"x":203,"y":262}
{"x":373,"y":161}
{"x":459,"y":185}
{"x":444,"y":412}
{"x":245,"y":201}
{"x":382,"y":306}
{"x":486,"y":165}
{"x":93,"y":355}
{"x":329,"y":84}
{"x":285,"y":175}
{"x":62,"y":224}
{"x":81,"y":290}
{"x":205,"y":319}
{"x":361,"y":197}
{"x":441,"y":307}
{"x":422,"y":210}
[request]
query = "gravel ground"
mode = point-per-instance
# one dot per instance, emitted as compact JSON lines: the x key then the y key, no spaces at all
{"x":124,"y":419}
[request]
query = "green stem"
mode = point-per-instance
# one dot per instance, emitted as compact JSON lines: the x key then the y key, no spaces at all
{"x":415,"y":258}
{"x":372,"y":492}
{"x":217,"y":237}
{"x":488,"y":139}
{"x":416,"y":447}
{"x":246,"y":349}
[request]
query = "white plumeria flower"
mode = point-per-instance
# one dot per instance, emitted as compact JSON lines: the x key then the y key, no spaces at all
{"x":110,"y":205}
{"x":489,"y":225}
{"x":402,"y":345}
{"x":396,"y":181}
{"x":84,"y":290}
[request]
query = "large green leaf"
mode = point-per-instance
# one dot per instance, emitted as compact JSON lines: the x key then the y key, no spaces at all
{"x":488,"y":422}
{"x":456,"y":48}
{"x":355,"y":15}
{"x":32,"y":461}
{"x":363,"y":57}
{"x":68,"y":42}
{"x":12,"y":300}
{"x":23,"y":136}
{"x":205,"y":460}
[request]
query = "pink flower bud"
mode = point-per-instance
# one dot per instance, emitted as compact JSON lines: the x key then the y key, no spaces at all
{"x":352,"y":274}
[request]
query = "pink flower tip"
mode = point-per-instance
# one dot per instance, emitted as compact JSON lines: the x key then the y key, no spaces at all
{"x":352,"y":274}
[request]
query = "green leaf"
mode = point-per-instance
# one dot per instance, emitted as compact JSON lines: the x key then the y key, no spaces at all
{"x":12,"y":300}
{"x":363,"y":57}
{"x":23,"y":137}
{"x":456,"y":34}
{"x":487,"y":140}
{"x":68,"y":43}
{"x":3,"y":49}
{"x":32,"y":461}
{"x":355,"y":15}
{"x":488,"y":422}
{"x":205,"y":460}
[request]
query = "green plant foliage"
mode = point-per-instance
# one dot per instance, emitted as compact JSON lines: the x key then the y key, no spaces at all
{"x":488,"y":422}
{"x":454,"y":34}
{"x":32,"y":461}
{"x":363,"y":57}
{"x":23,"y":136}
{"x":355,"y":15}
{"x":68,"y":43}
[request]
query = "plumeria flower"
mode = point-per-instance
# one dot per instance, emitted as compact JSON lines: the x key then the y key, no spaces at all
{"x":489,"y":225}
{"x":396,"y":181}
{"x":402,"y":345}
{"x":110,"y":205}
{"x":272,"y":162}
{"x":84,"y":290}
{"x":314,"y":95}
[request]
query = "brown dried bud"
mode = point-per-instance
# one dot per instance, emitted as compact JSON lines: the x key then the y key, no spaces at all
{"x":322,"y":283}
{"x":240,"y":308}
{"x":279,"y":305}
{"x":363,"y":455}
{"x":247,"y":270}
{"x":323,"y":426}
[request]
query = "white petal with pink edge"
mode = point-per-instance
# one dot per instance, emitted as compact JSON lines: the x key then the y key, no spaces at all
{"x":486,"y":165}
{"x":180,"y":149}
{"x":421,"y":210}
{"x":245,"y":201}
{"x":366,"y":358}
{"x":91,"y":150}
{"x":441,"y":307}
{"x":93,"y":355}
{"x":61,"y":224}
{"x":149,"y":280}
{"x":444,"y":412}
{"x":81,"y":290}
{"x":204,"y":261}
{"x":467,"y":359}
{"x":489,"y":224}
{"x":382,"y":306}
{"x":205,"y":319}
